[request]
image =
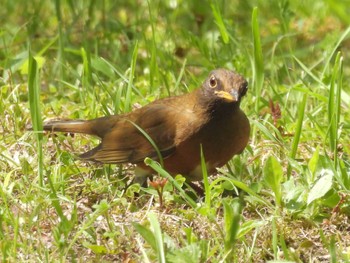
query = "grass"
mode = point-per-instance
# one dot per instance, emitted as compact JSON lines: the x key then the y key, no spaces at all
{"x":285,"y":198}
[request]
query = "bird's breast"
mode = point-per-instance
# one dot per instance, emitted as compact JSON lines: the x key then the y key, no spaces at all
{"x":219,"y":138}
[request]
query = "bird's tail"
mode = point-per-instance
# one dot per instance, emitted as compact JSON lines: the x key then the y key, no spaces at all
{"x":71,"y":126}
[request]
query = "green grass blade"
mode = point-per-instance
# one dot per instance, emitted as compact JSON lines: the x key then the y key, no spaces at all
{"x":87,"y":80}
{"x":220,"y":22}
{"x":131,"y":77}
{"x":205,"y":180}
{"x":274,"y":238}
{"x":177,"y":84}
{"x":309,"y":72}
{"x":61,"y":41}
{"x":273,"y":175}
{"x":334,"y":100}
{"x":331,"y":111}
{"x":35,"y":111}
{"x":298,"y":129}
{"x":87,"y":75}
{"x":154,"y":74}
{"x":150,"y":140}
{"x":158,"y":237}
{"x":335,"y":48}
{"x":338,"y":99}
{"x":146,"y":234}
{"x":262,"y":127}
{"x":333,"y":250}
{"x":232,"y":217}
{"x":258,"y":67}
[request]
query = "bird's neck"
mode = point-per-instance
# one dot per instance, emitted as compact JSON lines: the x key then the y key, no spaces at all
{"x":213,"y":106}
{"x":221,"y":110}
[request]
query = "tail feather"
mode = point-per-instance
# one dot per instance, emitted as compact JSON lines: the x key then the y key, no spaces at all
{"x":71,"y":126}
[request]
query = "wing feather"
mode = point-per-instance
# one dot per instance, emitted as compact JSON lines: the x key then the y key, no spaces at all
{"x":126,"y":143}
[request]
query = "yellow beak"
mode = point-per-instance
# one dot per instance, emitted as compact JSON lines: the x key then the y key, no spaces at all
{"x":230,"y":97}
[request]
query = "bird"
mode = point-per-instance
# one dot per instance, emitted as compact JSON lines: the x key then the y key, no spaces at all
{"x":177,"y":127}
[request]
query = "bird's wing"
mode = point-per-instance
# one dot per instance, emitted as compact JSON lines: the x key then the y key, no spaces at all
{"x":128,"y":140}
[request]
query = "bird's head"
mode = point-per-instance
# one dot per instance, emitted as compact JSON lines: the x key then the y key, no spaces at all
{"x":224,"y":87}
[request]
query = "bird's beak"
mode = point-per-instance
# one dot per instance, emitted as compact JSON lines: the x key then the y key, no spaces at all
{"x":232,"y":96}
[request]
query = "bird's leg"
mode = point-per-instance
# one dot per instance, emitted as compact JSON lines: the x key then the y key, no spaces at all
{"x":141,"y":176}
{"x":198,"y":189}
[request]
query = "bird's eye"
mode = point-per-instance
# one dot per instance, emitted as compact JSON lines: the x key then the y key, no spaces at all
{"x":212,"y":82}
